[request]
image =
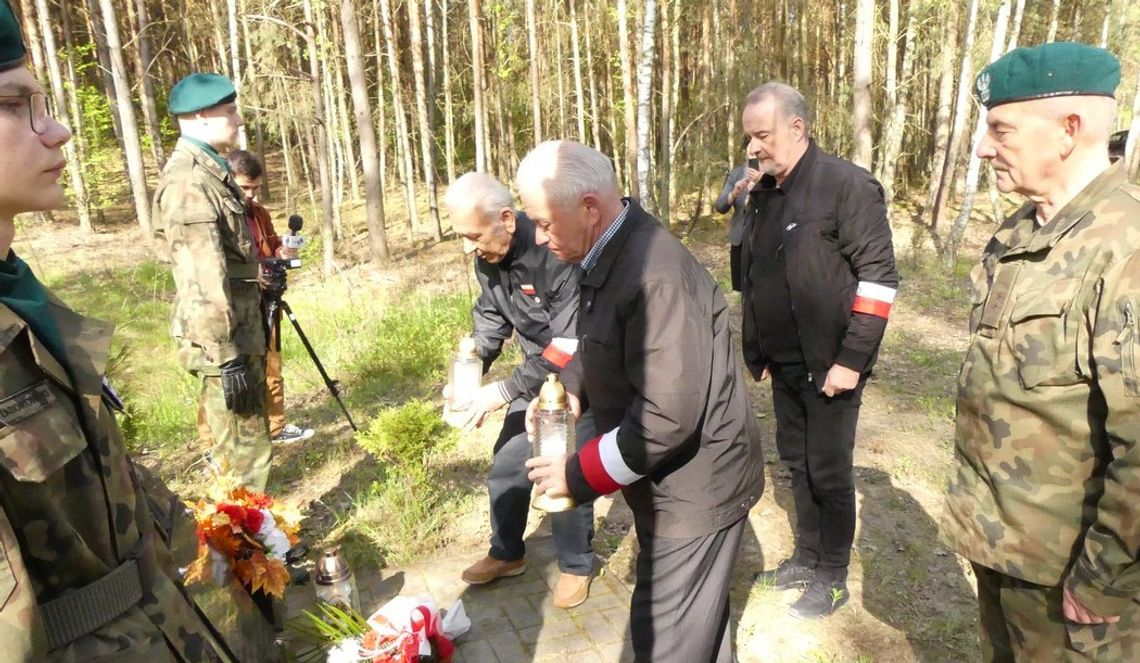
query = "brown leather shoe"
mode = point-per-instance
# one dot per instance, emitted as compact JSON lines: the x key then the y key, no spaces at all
{"x":571,"y":590}
{"x":489,"y":568}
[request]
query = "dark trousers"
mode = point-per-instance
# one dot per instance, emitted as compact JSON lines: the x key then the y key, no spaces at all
{"x":510,"y":492}
{"x":734,"y":265}
{"x":679,"y":610}
{"x":815,"y":436}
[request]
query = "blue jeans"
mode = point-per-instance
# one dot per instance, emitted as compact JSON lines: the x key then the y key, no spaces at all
{"x":510,"y":492}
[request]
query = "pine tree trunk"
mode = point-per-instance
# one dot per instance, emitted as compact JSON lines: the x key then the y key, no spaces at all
{"x":104,"y":59}
{"x":427,"y":154}
{"x":631,"y":154}
{"x":644,"y":98}
{"x":370,"y":158}
{"x":347,"y":137}
{"x":941,"y":118}
{"x":381,"y":103}
{"x":33,"y":40}
{"x":595,"y":116}
{"x":961,"y":111}
{"x":864,"y":32}
{"x":403,"y":142}
{"x":126,"y":110}
{"x":477,"y":102}
{"x":1131,"y":153}
{"x":664,"y":151}
{"x":1001,"y":25}
{"x":532,"y":49}
{"x":1015,"y":31}
{"x":1053,"y":21}
{"x":671,"y":146}
{"x":74,"y":166}
{"x":235,"y":60}
{"x":320,"y":142}
{"x":147,"y":60}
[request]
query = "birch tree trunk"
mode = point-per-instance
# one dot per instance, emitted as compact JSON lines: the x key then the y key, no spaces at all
{"x":448,"y":110}
{"x":321,"y":143}
{"x":1053,"y":21}
{"x":477,"y":88}
{"x":427,"y":153}
{"x":1131,"y":153}
{"x":1001,"y":25}
{"x":1015,"y":30}
{"x":644,"y":110}
{"x":235,"y":61}
{"x":126,"y":110}
{"x":627,"y":95}
{"x":403,"y":143}
{"x":664,"y":151}
{"x":595,"y":116}
{"x":579,"y":88}
{"x":532,"y":49}
{"x":893,"y":133}
{"x":369,"y":155}
{"x":104,"y":59}
{"x":55,"y":74}
{"x":864,"y":32}
{"x":961,"y":111}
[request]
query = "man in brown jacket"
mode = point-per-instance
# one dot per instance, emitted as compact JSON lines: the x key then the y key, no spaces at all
{"x":657,"y":367}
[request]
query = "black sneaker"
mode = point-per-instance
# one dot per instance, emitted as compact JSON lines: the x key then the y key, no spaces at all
{"x":823,"y":597}
{"x":790,"y":574}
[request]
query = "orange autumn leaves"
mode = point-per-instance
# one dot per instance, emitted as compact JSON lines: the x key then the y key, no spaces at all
{"x":247,"y":531}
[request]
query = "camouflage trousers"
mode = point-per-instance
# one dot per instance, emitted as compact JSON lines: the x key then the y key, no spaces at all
{"x":241,"y":447}
{"x":1022,"y":622}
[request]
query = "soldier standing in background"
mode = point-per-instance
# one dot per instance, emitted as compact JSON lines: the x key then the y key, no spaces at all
{"x":84,"y":573}
{"x":218,"y":322}
{"x":1044,"y":500}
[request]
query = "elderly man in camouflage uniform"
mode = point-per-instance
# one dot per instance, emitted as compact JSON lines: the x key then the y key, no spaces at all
{"x":84,"y":573}
{"x":218,"y":322}
{"x":1048,"y":481}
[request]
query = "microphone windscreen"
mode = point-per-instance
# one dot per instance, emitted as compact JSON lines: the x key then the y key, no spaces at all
{"x":295,"y":222}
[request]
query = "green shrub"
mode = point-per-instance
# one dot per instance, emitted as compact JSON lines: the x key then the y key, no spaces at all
{"x":405,"y":437}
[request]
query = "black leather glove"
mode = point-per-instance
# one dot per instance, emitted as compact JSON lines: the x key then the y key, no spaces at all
{"x":240,"y":392}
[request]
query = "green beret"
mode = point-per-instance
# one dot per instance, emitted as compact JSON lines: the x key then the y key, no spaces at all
{"x":11,"y":40}
{"x":1057,"y":69}
{"x":200,"y":91}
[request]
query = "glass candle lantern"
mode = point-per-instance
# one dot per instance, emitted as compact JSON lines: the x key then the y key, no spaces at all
{"x":554,"y":436}
{"x":335,"y":582}
{"x":465,"y":376}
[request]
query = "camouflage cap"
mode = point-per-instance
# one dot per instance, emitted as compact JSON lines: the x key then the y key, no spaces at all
{"x":12,"y":49}
{"x":200,"y":91}
{"x":1057,"y":69}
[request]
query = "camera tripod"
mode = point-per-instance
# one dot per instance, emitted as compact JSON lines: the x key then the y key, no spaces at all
{"x":276,"y":306}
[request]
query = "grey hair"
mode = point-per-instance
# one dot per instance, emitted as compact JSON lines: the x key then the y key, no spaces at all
{"x":566,"y":170}
{"x":789,"y":101}
{"x":480,"y":192}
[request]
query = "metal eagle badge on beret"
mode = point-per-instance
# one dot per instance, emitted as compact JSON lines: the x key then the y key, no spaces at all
{"x":982,"y":87}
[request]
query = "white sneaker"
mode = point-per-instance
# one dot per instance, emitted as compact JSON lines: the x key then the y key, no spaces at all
{"x":291,"y":434}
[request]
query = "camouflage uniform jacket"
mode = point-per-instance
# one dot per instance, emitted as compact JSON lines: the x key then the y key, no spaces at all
{"x":202,"y":220}
{"x":71,"y":510}
{"x":1048,"y":425}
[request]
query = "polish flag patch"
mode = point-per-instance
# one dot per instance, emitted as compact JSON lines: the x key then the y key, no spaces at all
{"x":603,"y":466}
{"x":560,"y":351}
{"x":874,"y":299}
{"x":527,"y":289}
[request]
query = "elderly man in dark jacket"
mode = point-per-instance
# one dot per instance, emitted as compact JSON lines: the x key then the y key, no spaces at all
{"x":657,"y":368}
{"x":819,"y":279}
{"x":526,"y":292}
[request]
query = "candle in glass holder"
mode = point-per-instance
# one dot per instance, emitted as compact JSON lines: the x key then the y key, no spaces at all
{"x":335,"y":582}
{"x":465,"y":376}
{"x":554,"y":436}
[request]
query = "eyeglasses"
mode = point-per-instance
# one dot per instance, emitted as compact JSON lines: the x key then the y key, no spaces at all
{"x":39,"y":114}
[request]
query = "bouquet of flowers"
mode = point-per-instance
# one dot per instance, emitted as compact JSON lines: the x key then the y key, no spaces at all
{"x":245,"y":532}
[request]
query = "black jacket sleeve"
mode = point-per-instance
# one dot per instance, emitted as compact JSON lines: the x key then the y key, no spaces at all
{"x":490,"y":329}
{"x":668,"y":342}
{"x":865,"y":243}
{"x":562,"y":306}
{"x":754,"y":358}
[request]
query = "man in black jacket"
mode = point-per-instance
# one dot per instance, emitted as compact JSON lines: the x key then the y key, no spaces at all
{"x":657,"y":368}
{"x":819,"y":279}
{"x":524,"y":290}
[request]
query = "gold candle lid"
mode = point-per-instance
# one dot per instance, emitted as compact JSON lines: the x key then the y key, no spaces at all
{"x":552,"y":396}
{"x":467,"y":348}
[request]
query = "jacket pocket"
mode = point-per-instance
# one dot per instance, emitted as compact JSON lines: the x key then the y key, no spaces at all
{"x":45,"y":436}
{"x":1128,"y":342}
{"x":1043,"y":336}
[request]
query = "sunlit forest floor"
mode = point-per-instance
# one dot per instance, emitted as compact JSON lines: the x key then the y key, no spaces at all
{"x":386,"y":335}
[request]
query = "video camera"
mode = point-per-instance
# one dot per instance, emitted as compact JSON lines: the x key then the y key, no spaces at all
{"x":273,"y":270}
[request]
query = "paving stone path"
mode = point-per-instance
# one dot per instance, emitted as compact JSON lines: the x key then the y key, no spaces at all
{"x":513,"y":619}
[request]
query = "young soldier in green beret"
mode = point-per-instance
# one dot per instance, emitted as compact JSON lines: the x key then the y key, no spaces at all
{"x":218,"y":326}
{"x":1048,"y":481}
{"x":84,"y":573}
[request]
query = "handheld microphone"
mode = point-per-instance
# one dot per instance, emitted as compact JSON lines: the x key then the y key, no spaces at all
{"x":294,"y":240}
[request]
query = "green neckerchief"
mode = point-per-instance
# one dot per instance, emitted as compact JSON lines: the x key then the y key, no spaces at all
{"x":209,"y":149}
{"x":21,"y":292}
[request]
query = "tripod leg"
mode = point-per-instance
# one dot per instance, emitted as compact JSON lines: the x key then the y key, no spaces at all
{"x":332,"y":385}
